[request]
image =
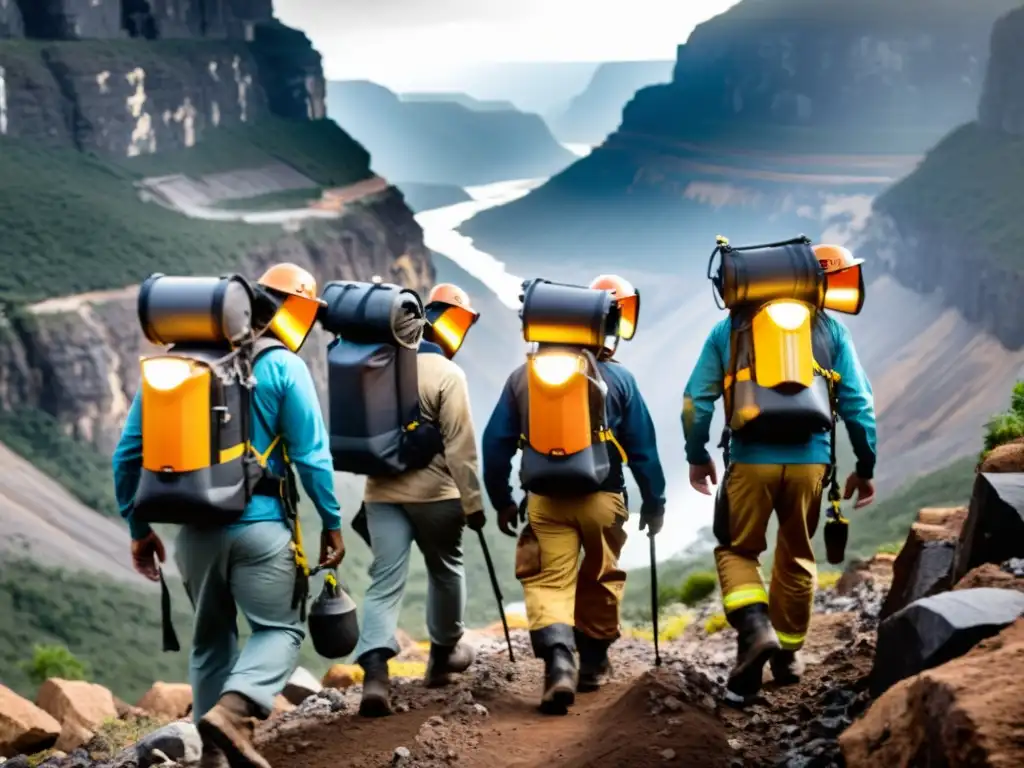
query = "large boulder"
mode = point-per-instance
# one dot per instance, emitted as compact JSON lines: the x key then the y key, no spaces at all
{"x":24,"y":727}
{"x":968,"y":713}
{"x":938,"y":629}
{"x":994,"y":530}
{"x":301,"y":685}
{"x":167,"y":700}
{"x":925,"y":564}
{"x":76,"y":701}
{"x":1005,"y":458}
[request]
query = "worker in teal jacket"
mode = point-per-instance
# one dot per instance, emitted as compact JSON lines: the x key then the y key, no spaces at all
{"x":249,"y":565}
{"x":788,"y":479}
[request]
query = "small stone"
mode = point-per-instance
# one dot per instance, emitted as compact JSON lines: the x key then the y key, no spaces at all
{"x":290,"y":749}
{"x":435,"y":721}
{"x":708,"y":703}
{"x":481,"y":710}
{"x":790,"y":731}
{"x":401,"y":707}
{"x":401,"y":753}
{"x":735,"y":744}
{"x":178,"y":741}
{"x":668,"y":754}
{"x":672,"y":703}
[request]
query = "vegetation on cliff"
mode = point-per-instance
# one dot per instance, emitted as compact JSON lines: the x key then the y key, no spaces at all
{"x":72,"y":209}
{"x":1008,"y":426}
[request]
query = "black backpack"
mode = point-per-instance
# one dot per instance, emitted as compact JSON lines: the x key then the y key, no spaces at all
{"x":373,"y":386}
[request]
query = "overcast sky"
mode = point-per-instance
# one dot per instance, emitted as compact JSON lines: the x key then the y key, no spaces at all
{"x":402,"y":42}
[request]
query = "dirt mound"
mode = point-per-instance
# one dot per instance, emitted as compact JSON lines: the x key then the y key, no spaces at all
{"x":990,"y":575}
{"x":969,"y":712}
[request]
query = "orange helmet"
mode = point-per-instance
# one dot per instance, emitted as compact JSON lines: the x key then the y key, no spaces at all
{"x":298,"y":306}
{"x":450,"y":316}
{"x":834,"y":258}
{"x":844,"y":281}
{"x":626,"y":296}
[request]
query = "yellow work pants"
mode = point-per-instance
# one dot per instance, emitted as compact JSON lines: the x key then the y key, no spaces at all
{"x":560,"y":590}
{"x":751,"y":492}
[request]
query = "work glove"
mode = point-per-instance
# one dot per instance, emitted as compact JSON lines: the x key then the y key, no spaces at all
{"x":701,"y":474}
{"x":332,"y":549}
{"x":508,"y":519}
{"x":652,"y":518}
{"x":476,"y":521}
{"x":145,"y":554}
{"x":864,"y":488}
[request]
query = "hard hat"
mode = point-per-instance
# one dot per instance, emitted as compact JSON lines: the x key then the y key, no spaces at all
{"x":844,"y":280}
{"x":834,"y":258}
{"x":450,"y":316}
{"x":333,"y":623}
{"x":297,"y":305}
{"x":626,"y":297}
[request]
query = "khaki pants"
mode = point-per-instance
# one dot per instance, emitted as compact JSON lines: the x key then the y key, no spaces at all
{"x":751,"y":492}
{"x":559,"y":591}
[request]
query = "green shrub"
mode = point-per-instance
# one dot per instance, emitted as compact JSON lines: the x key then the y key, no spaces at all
{"x":890,"y":548}
{"x":54,"y":661}
{"x":697,"y":587}
{"x":1007,"y":426}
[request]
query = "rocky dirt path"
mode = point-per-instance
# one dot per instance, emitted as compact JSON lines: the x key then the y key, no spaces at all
{"x":645,"y":717}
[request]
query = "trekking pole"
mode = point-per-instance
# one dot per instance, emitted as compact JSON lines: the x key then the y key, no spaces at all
{"x":654,"y":600}
{"x":497,"y":593}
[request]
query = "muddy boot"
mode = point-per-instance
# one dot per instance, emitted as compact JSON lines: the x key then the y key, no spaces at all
{"x":595,"y":668}
{"x":756,"y":643}
{"x":560,"y":678}
{"x":447,"y":660}
{"x":787,"y":667}
{"x":376,"y":700}
{"x":229,"y":727}
{"x":212,"y":758}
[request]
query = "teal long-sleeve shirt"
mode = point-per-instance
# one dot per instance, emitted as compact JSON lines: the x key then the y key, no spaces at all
{"x":284,"y":396}
{"x":855,"y":404}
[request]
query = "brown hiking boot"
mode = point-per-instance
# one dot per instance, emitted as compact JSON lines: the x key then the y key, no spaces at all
{"x":787,"y":667}
{"x":376,"y":700}
{"x":560,"y":679}
{"x":595,"y":669}
{"x":229,"y":727}
{"x":446,"y":660}
{"x":756,"y":644}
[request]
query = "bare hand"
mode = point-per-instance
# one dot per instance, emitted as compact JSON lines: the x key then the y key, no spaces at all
{"x":332,"y":549}
{"x":865,"y":490}
{"x":700,"y":474}
{"x":145,"y":554}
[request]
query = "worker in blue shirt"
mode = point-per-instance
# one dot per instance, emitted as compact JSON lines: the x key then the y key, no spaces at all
{"x":569,"y":609}
{"x":786,"y":478}
{"x":249,"y":565}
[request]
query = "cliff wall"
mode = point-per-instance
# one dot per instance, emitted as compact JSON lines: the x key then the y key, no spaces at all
{"x":955,"y":225}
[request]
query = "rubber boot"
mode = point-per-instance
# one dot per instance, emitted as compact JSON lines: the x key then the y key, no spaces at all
{"x":229,"y":727}
{"x":446,"y":660}
{"x":560,"y":679}
{"x":376,"y":699}
{"x":595,"y":669}
{"x":756,"y":644}
{"x":787,"y":667}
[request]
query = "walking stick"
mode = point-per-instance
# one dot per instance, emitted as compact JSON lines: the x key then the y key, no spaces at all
{"x":654,"y":600}
{"x":497,"y":593}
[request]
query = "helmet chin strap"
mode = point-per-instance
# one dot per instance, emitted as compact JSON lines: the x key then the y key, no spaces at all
{"x":607,"y":353}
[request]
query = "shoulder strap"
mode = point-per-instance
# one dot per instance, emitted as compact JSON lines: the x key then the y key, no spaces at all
{"x":263,"y":345}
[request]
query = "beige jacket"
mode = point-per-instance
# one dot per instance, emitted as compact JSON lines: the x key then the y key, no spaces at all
{"x":444,"y":399}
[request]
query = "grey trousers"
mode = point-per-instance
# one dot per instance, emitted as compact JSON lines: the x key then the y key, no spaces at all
{"x":436,"y":527}
{"x":248,"y":568}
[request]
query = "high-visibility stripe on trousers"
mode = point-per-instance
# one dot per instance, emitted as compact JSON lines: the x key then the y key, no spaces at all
{"x":749,"y":494}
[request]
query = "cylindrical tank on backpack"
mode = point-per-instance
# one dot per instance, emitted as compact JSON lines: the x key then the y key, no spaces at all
{"x":197,"y":468}
{"x":372,"y":379}
{"x":756,"y":275}
{"x":195,"y":310}
{"x":554,"y":313}
{"x":565,"y":452}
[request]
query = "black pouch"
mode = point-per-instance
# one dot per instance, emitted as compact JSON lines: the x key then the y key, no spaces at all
{"x":528,"y":562}
{"x":720,"y":526}
{"x":360,"y":526}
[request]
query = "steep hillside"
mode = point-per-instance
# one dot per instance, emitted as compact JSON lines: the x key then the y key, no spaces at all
{"x":462,"y":99}
{"x":597,"y":110}
{"x":443,"y":142}
{"x":955,"y":225}
{"x":791,"y":112}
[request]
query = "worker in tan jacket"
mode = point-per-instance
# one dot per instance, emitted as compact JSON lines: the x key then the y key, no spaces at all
{"x":429,"y":506}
